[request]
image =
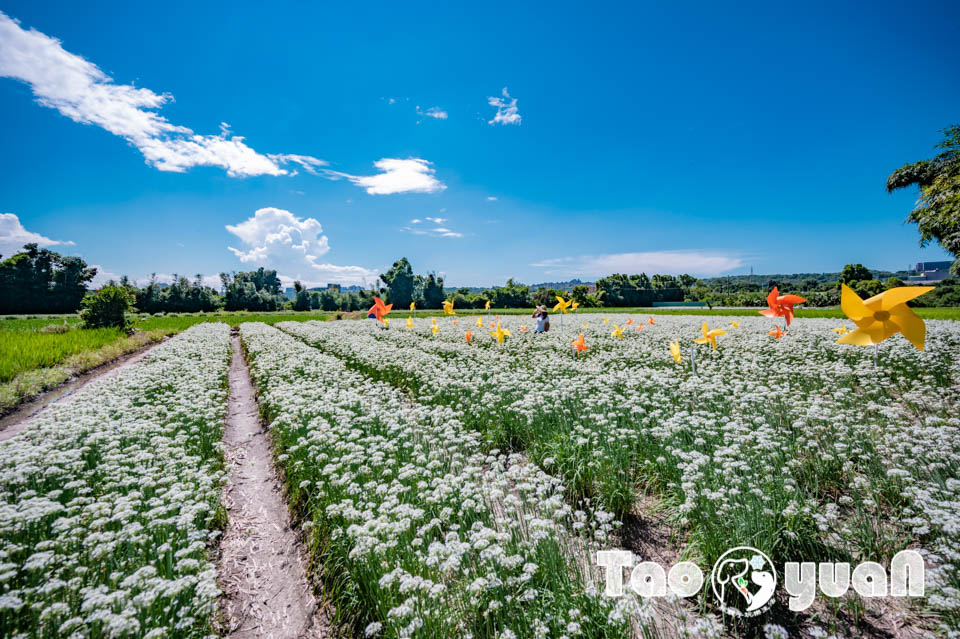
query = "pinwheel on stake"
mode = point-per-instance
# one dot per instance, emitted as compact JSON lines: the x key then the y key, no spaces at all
{"x":617,"y":332}
{"x":579,"y":345}
{"x":883,"y":316}
{"x":435,"y":329}
{"x":675,"y":352}
{"x":379,"y":309}
{"x":709,"y":336}
{"x":650,"y":321}
{"x":781,"y":305}
{"x":776,"y":333}
{"x":735,"y":324}
{"x":841,"y":330}
{"x":561,"y":306}
{"x":409,"y":322}
{"x":479,"y":323}
{"x":469,"y":336}
{"x":448,"y":307}
{"x":500,"y":333}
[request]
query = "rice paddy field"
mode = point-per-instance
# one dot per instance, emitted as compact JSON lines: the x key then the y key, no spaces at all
{"x":446,"y":486}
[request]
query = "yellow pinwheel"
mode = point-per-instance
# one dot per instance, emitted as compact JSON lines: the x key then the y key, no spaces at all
{"x":479,"y":323}
{"x":583,"y":325}
{"x":617,"y":332}
{"x":841,"y":330}
{"x":409,"y":322}
{"x":435,"y":329}
{"x":575,"y":305}
{"x":735,"y":324}
{"x":487,"y":305}
{"x":562,"y":305}
{"x":448,"y":307}
{"x":709,"y":336}
{"x":606,"y":320}
{"x":433,"y":321}
{"x":500,"y":333}
{"x":883,"y":316}
{"x":386,"y":322}
{"x":675,"y":352}
{"x":413,"y":305}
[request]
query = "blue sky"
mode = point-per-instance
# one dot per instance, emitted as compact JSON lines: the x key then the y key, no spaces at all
{"x":693,"y":137}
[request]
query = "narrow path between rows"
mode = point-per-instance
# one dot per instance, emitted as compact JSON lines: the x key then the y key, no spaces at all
{"x":262,"y":571}
{"x":14,"y":423}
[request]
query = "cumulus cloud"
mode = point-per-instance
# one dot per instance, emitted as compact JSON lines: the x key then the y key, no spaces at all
{"x":412,"y":175}
{"x":280,"y":240}
{"x":82,"y":92}
{"x":437,"y":230}
{"x":13,"y":236}
{"x":433,"y":112}
{"x":507,"y":112}
{"x":666,"y":262}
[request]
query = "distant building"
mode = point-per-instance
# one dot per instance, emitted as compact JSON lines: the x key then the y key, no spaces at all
{"x":927,"y":272}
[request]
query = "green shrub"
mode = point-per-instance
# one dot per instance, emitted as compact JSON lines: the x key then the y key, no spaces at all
{"x":107,"y":308}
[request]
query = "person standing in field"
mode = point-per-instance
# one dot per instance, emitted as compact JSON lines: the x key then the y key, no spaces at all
{"x":543,"y":320}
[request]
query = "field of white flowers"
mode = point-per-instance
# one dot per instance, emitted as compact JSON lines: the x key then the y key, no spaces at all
{"x":107,"y":503}
{"x":798,"y":446}
{"x":449,"y":487}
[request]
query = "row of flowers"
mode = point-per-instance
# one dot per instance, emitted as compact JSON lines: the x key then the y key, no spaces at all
{"x":108,"y":502}
{"x":418,"y":528}
{"x":799,"y":446}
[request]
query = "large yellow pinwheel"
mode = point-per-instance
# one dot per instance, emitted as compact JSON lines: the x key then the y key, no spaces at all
{"x":709,"y":337}
{"x":500,"y":333}
{"x":617,"y":332}
{"x":883,"y":316}
{"x":448,"y":307}
{"x":562,"y":305}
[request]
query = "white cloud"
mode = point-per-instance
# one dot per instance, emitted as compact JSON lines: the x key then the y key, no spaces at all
{"x":280,"y":240}
{"x":13,"y":236}
{"x":693,"y":262}
{"x":491,"y":198}
{"x":412,"y":175}
{"x":507,"y":112}
{"x":82,"y":92}
{"x":438,"y":230}
{"x":433,"y":112}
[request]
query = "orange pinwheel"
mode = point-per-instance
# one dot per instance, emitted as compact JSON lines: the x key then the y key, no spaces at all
{"x":639,"y":327}
{"x":379,"y":309}
{"x":454,"y":321}
{"x":469,"y":336}
{"x":776,"y":333}
{"x":523,"y":328}
{"x":650,"y":321}
{"x":579,"y":344}
{"x":629,"y":321}
{"x":781,"y":305}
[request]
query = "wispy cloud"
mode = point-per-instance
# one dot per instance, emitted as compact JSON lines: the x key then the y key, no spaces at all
{"x":507,"y":112}
{"x":13,"y":236}
{"x":491,"y":198}
{"x":278,"y":239}
{"x":439,"y":228}
{"x":694,"y":262}
{"x":412,"y":175}
{"x":433,"y":112}
{"x":82,"y":92}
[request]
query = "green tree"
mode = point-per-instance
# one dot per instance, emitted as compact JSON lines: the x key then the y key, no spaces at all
{"x":37,"y":280}
{"x":432,"y":287}
{"x":937,"y":212}
{"x":512,"y":295}
{"x":107,"y":308}
{"x":854,"y":273}
{"x":301,"y":302}
{"x":400,"y":283}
